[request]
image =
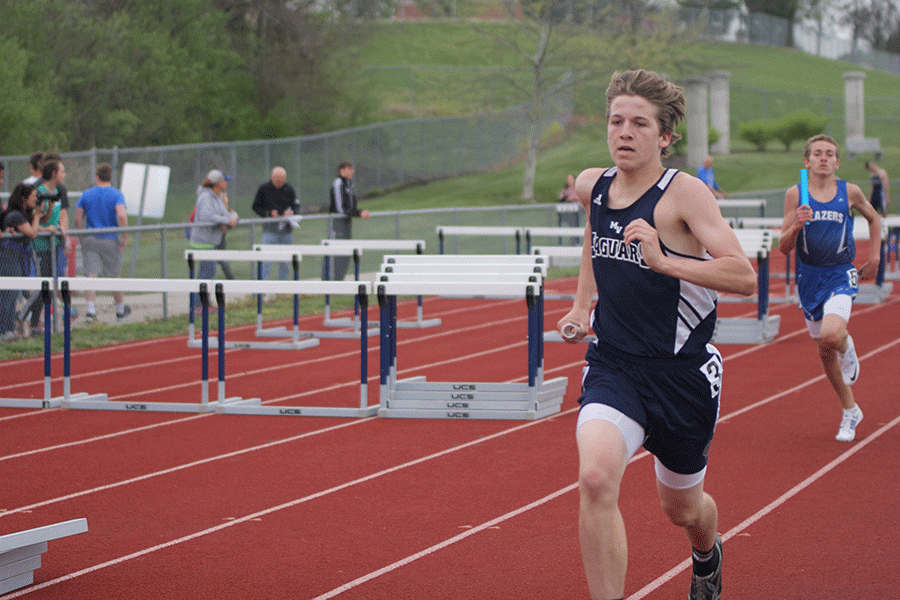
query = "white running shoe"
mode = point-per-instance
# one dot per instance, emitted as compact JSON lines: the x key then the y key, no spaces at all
{"x":852,"y":418}
{"x":849,"y":363}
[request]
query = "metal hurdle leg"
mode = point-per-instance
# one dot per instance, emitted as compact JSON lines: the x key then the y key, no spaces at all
{"x":223,"y":400}
{"x":417,"y":398}
{"x":48,"y":401}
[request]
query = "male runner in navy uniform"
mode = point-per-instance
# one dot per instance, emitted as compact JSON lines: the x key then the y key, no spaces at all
{"x":656,"y":247}
{"x":826,"y":278}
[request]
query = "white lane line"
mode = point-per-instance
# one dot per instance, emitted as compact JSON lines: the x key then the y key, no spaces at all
{"x":674,"y":571}
{"x":273,"y":509}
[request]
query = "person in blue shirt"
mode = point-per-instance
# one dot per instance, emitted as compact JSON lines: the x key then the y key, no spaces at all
{"x":827,"y":281}
{"x":103,"y":207}
{"x":707,"y":176}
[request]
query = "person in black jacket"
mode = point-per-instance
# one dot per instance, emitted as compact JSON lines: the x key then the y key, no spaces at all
{"x":276,"y":198}
{"x":343,"y":206}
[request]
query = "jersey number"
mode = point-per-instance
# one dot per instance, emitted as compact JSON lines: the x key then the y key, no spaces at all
{"x":853,"y":277}
{"x":713,"y":371}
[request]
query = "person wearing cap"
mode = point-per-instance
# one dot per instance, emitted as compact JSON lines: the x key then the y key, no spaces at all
{"x":212,"y":209}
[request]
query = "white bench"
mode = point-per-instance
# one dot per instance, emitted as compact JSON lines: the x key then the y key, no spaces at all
{"x":20,"y":552}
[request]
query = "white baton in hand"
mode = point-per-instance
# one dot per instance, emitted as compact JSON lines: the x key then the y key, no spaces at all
{"x":570,"y":330}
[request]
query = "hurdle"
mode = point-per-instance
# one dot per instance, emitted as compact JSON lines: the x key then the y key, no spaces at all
{"x":755,"y":243}
{"x":459,"y":230}
{"x":562,"y":256}
{"x":417,"y":398}
{"x":564,"y":209}
{"x":84,"y":401}
{"x":551,"y":232}
{"x":20,"y":552}
{"x":352,"y":250}
{"x":759,"y":203}
{"x":417,"y":246}
{"x":226,"y":405}
{"x":878,"y":292}
{"x":44,"y":285}
{"x":296,"y":343}
{"x":361,"y":291}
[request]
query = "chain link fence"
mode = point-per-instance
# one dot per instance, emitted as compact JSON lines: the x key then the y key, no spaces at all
{"x":385,"y":155}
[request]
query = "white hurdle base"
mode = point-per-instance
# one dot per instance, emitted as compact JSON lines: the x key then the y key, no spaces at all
{"x":738,"y":330}
{"x":20,"y":552}
{"x":417,"y":398}
{"x":255,"y":407}
{"x":870,"y":293}
{"x":102,"y":403}
{"x":31,"y":402}
{"x":419,"y":323}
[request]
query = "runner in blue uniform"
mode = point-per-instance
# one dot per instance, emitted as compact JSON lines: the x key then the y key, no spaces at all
{"x":827,"y":281}
{"x":656,"y":247}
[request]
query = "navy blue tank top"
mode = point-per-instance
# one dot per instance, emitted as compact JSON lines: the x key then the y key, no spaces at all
{"x":640,"y":312}
{"x":877,"y":192}
{"x":827,"y":240}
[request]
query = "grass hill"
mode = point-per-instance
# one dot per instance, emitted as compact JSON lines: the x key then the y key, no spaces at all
{"x":431,"y":68}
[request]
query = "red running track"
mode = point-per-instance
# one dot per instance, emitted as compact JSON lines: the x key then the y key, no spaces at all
{"x":224,"y":506}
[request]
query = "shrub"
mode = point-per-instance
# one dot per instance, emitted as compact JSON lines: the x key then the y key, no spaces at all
{"x":758,"y":132}
{"x":798,"y":127}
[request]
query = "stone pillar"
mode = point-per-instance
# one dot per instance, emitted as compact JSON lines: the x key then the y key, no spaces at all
{"x":696,"y":93}
{"x":854,"y":105}
{"x":720,"y":110}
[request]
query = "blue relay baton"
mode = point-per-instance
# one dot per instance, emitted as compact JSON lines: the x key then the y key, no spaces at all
{"x":804,"y":188}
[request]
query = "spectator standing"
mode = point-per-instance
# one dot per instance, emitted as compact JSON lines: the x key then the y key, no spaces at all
{"x":344,"y":206}
{"x":211,"y":208}
{"x":881,"y":188}
{"x":52,"y":199}
{"x":707,"y":176}
{"x":102,"y":207}
{"x":569,"y":195}
{"x":276,"y":198}
{"x":226,"y":266}
{"x":21,"y":216}
{"x":35,"y":162}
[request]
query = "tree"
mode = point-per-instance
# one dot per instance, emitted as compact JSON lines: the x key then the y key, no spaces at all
{"x":124,"y":71}
{"x":875,"y":21}
{"x":300,"y":63}
{"x":22,"y":108}
{"x":561,"y":44}
{"x":783,"y":9}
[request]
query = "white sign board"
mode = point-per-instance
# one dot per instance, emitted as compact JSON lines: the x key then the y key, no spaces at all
{"x":147,"y":186}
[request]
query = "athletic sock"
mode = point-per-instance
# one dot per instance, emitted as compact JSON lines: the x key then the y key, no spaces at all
{"x":120,"y":308}
{"x":90,"y":308}
{"x":705,"y":562}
